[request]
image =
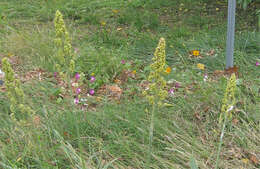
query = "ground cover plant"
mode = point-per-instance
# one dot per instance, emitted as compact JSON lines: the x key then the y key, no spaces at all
{"x":128,"y":84}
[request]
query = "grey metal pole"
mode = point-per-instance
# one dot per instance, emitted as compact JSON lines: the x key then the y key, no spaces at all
{"x":230,"y":33}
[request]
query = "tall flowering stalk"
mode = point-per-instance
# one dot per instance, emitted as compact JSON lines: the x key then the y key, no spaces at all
{"x":65,"y":59}
{"x":14,"y":91}
{"x":228,"y":103}
{"x":156,"y":92}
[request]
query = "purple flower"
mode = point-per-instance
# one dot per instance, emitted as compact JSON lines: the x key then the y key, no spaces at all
{"x":171,"y":91}
{"x":76,"y":100}
{"x":257,"y":63}
{"x":123,"y":61}
{"x":78,"y":90}
{"x":92,"y":79}
{"x":76,"y":50}
{"x":55,"y":74}
{"x":91,"y":91}
{"x":77,"y":76}
{"x":177,"y":85}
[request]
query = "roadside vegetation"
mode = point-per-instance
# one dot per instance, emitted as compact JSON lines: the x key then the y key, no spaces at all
{"x":128,"y":84}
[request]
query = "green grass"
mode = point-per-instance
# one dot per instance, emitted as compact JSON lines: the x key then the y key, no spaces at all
{"x":114,"y":133}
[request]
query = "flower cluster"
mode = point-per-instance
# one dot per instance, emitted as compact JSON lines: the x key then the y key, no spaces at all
{"x":156,"y":91}
{"x":14,"y":91}
{"x":78,"y":89}
{"x":64,"y":56}
{"x":228,"y":101}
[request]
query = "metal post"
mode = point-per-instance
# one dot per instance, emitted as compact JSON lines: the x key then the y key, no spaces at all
{"x":230,"y":33}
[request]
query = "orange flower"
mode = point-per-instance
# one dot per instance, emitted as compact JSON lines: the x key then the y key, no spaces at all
{"x":168,"y":70}
{"x":195,"y":53}
{"x":201,"y":66}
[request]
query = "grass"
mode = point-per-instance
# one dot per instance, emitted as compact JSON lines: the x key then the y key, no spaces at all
{"x":112,"y":133}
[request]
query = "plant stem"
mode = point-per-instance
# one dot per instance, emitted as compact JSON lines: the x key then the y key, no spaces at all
{"x":221,"y":140}
{"x":154,"y":109}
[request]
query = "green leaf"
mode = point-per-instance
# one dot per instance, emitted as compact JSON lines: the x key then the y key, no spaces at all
{"x":193,"y":164}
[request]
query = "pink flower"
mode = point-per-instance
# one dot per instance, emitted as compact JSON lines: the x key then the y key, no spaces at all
{"x":76,"y":50}
{"x":76,"y":100}
{"x":77,"y":76}
{"x":91,"y":91}
{"x":55,"y":74}
{"x":92,"y":79}
{"x":171,"y":91}
{"x":78,"y":90}
{"x":123,"y":61}
{"x":257,"y":63}
{"x":177,"y":85}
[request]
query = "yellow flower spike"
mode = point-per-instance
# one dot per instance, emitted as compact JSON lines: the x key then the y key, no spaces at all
{"x":64,"y":55}
{"x":156,"y":91}
{"x":195,"y":53}
{"x":15,"y":93}
{"x":228,"y":101}
{"x":200,"y":66}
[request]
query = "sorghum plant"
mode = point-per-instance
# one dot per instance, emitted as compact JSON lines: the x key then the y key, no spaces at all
{"x":15,"y":93}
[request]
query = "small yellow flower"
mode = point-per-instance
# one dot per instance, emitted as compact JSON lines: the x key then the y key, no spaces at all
{"x":115,"y":11}
{"x":10,"y":54}
{"x":245,"y":160}
{"x":134,"y":72}
{"x":195,"y":53}
{"x":92,"y":74}
{"x":103,"y":23}
{"x":200,"y":66}
{"x":168,"y":70}
{"x":217,"y":9}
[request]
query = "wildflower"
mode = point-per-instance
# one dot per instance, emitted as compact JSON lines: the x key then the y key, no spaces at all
{"x":134,"y":72}
{"x":155,"y":91}
{"x":78,"y":90}
{"x":115,"y":11}
{"x":123,"y":61}
{"x":257,"y":63}
{"x":195,"y":53}
{"x":171,"y":91}
{"x":76,"y":50}
{"x":55,"y":74}
{"x":92,"y":74}
{"x":92,"y":79}
{"x":200,"y":66}
{"x":91,"y":91}
{"x":177,"y":85}
{"x":103,"y":23}
{"x":76,"y":100}
{"x":228,"y":101}
{"x":77,"y":76}
{"x":205,"y":77}
{"x":168,"y":70}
